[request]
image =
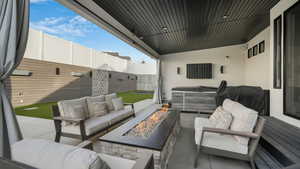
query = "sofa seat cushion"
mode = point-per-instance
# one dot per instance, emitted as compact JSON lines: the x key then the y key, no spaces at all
{"x":46,"y":154}
{"x":244,"y":119}
{"x":117,"y":162}
{"x":199,"y":124}
{"x":224,"y":142}
{"x":119,"y":115}
{"x":92,"y":125}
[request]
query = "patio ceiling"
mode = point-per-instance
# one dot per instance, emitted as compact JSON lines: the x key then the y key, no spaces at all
{"x":159,"y":27}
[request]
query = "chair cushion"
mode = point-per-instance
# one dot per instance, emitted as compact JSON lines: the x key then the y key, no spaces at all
{"x":118,"y":103}
{"x":224,"y":142}
{"x":119,"y":115}
{"x":50,"y":155}
{"x":92,"y":125}
{"x":244,"y":119}
{"x":97,"y":109}
{"x":199,"y":124}
{"x":76,"y":108}
{"x":120,"y":164}
{"x":108,"y":99}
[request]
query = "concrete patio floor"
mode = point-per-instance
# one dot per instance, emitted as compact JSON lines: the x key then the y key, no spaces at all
{"x":182,"y":157}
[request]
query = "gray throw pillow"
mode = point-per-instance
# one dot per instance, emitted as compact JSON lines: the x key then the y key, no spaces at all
{"x":108,"y":99}
{"x":97,"y":108}
{"x":118,"y":104}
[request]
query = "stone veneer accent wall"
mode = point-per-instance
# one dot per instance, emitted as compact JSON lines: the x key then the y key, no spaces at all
{"x":45,"y":86}
{"x":161,"y":158}
{"x":105,"y":82}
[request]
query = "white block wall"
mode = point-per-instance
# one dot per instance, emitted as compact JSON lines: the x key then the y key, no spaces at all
{"x":46,"y":47}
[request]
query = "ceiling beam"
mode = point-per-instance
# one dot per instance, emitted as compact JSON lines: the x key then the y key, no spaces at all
{"x":94,"y":13}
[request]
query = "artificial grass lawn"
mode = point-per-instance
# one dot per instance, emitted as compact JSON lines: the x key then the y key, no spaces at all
{"x":44,"y":109}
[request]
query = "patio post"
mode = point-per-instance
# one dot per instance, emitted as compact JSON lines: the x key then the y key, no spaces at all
{"x":14,"y":25}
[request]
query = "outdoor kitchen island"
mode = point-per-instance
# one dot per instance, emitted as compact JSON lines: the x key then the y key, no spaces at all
{"x":153,"y":130}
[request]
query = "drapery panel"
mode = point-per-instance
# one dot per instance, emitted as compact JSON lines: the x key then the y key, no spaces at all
{"x":14,"y":25}
{"x":157,"y":98}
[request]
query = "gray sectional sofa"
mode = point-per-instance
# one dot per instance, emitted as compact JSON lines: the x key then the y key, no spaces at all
{"x":78,"y":119}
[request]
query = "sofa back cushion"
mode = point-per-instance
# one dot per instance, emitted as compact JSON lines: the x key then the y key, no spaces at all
{"x":76,"y":108}
{"x":108,"y":99}
{"x":118,"y":104}
{"x":50,"y":155}
{"x":100,"y":98}
{"x":97,"y":109}
{"x":96,"y":105}
{"x":244,"y":119}
{"x":221,"y":118}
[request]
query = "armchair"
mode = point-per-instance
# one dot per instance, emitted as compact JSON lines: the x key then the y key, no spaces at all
{"x":222,"y":150}
{"x":32,"y":154}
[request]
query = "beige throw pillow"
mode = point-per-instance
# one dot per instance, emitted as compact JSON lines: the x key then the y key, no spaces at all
{"x":221,"y":118}
{"x":118,"y":104}
{"x":97,"y":108}
{"x":108,"y":99}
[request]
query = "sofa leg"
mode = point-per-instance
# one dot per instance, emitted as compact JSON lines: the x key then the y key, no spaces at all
{"x":197,"y":156}
{"x":57,"y":137}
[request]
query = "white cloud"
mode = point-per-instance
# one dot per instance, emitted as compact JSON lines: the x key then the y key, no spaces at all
{"x":37,"y":1}
{"x":73,"y":26}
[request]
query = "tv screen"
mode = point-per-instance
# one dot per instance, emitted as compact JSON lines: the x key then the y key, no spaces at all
{"x":199,"y":71}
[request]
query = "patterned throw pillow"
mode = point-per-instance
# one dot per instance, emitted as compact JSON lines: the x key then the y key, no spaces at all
{"x":118,"y":104}
{"x":213,"y":119}
{"x":97,"y":108}
{"x":221,"y":119}
{"x":108,"y":99}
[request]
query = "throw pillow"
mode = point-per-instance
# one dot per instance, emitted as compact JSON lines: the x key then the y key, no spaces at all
{"x":215,"y":117}
{"x":97,"y":108}
{"x":221,"y":118}
{"x":108,"y":99}
{"x":118,"y":104}
{"x":225,"y":120}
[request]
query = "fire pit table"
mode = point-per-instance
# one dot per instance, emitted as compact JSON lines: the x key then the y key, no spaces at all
{"x":154,"y":130}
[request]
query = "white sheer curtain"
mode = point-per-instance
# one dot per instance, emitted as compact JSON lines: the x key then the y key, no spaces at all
{"x":157,"y":98}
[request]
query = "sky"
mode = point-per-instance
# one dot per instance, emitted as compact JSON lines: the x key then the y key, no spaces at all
{"x":53,"y":18}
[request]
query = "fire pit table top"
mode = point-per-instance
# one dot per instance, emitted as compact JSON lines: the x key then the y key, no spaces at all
{"x":155,"y":141}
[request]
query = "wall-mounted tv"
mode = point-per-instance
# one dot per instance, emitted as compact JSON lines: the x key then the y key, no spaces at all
{"x":199,"y":71}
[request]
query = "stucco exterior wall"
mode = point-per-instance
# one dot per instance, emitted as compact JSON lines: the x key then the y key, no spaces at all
{"x":234,"y":67}
{"x":276,"y":102}
{"x":257,"y":68}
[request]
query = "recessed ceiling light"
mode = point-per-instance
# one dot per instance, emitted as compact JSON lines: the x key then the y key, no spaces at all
{"x":225,"y":16}
{"x":164,"y":29}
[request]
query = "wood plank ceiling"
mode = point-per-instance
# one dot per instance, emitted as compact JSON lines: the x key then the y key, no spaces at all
{"x":170,"y":26}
